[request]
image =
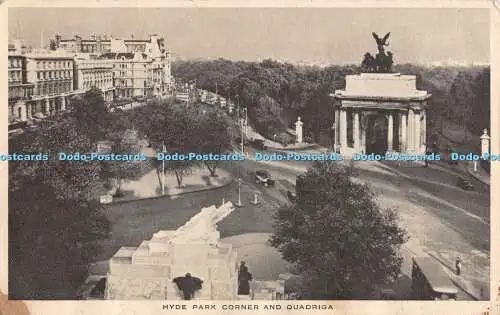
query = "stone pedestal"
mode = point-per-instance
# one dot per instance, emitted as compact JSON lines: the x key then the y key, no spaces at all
{"x":485,"y":142}
{"x":298,"y":130}
{"x":390,"y":97}
{"x":147,"y":271}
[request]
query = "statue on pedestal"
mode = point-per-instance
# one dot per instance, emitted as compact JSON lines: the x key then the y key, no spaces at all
{"x":188,"y":285}
{"x":382,"y":62}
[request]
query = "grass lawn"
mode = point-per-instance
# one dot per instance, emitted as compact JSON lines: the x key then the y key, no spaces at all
{"x":134,"y":222}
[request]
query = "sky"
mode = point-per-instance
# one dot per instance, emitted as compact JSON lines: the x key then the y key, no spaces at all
{"x":308,"y":35}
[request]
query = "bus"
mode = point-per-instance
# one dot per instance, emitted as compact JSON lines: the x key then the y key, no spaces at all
{"x":430,"y":282}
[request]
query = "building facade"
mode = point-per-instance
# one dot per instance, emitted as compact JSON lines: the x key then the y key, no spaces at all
{"x":93,"y":73}
{"x":41,"y":82}
{"x":20,"y":90}
{"x":148,"y":59}
{"x":52,"y":75}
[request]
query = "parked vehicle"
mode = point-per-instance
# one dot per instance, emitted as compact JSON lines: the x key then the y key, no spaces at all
{"x":430,"y":282}
{"x":258,"y":144}
{"x":465,"y":184}
{"x":449,"y":151}
{"x":264,"y":177}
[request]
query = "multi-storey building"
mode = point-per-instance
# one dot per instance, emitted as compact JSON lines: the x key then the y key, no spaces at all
{"x":132,"y":74}
{"x":129,"y":53}
{"x":41,"y":81}
{"x":20,"y":90}
{"x":52,"y":75}
{"x":90,"y":72}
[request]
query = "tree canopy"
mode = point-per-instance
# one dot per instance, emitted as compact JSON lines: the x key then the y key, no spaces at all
{"x":338,"y":238}
{"x":276,"y":93}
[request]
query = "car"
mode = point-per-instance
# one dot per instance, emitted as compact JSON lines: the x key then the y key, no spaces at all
{"x":465,"y":184}
{"x":292,"y":196}
{"x":258,"y":144}
{"x":237,"y":140}
{"x":264,"y":177}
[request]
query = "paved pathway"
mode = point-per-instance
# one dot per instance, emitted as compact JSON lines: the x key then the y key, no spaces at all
{"x":431,"y":223}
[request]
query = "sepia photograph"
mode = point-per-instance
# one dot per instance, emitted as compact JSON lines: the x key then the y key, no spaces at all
{"x":249,"y":153}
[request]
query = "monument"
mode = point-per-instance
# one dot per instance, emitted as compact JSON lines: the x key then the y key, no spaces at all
{"x":380,"y":111}
{"x":485,"y":142}
{"x":148,"y":271}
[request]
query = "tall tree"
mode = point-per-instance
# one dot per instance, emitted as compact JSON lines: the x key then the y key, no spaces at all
{"x":212,"y":136}
{"x":340,"y":240}
{"x":58,"y":212}
{"x":91,"y":114}
{"x":178,"y":139}
{"x":128,"y":144}
{"x":461,"y":99}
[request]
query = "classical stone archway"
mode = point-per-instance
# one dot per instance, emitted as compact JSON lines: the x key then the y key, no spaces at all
{"x":376,"y":133}
{"x":380,"y":112}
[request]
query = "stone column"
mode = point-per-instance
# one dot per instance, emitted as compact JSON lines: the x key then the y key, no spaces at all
{"x":410,"y":146}
{"x":485,"y":142}
{"x":336,"y":135}
{"x":417,"y":132}
{"x":47,"y":106}
{"x":343,"y":128}
{"x":24,"y":109}
{"x":390,"y":129}
{"x":298,"y":130}
{"x":363,"y":134}
{"x":28,"y":111}
{"x":402,"y":123}
{"x":355,"y":133}
{"x":63,"y":103}
{"x":424,"y":132}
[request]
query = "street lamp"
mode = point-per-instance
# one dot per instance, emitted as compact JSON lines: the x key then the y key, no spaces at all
{"x":242,"y":138}
{"x":239,"y":204}
{"x":163,"y":172}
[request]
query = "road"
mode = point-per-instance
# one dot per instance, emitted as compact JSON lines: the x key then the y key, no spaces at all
{"x":440,"y":217}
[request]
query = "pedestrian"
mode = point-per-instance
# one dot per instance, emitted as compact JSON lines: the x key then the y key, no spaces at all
{"x":188,"y":285}
{"x":244,"y":278}
{"x":458,"y":266}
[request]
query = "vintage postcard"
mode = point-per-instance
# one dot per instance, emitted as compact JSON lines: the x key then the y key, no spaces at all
{"x":231,"y":157}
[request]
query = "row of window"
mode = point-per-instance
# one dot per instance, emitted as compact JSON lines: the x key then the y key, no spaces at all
{"x":99,"y":76}
{"x":91,"y":66}
{"x":98,"y":84}
{"x":15,"y":75}
{"x":31,"y":110}
{"x":15,"y":63}
{"x":53,"y":89}
{"x":54,"y":64}
{"x":20,"y":92}
{"x":44,"y":75}
{"x":125,"y":66}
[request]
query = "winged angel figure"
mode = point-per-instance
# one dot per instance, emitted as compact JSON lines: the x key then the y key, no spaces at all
{"x":381,"y":62}
{"x":381,"y":42}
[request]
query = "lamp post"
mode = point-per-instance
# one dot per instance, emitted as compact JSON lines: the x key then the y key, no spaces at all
{"x":239,"y":204}
{"x":242,"y":138}
{"x":163,"y":172}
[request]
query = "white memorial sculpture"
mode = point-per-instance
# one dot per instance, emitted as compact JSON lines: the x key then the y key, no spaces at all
{"x":298,"y":129}
{"x":147,"y":271}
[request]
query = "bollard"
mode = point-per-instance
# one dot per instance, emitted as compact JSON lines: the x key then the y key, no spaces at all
{"x":255,"y":198}
{"x":475,"y":166}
